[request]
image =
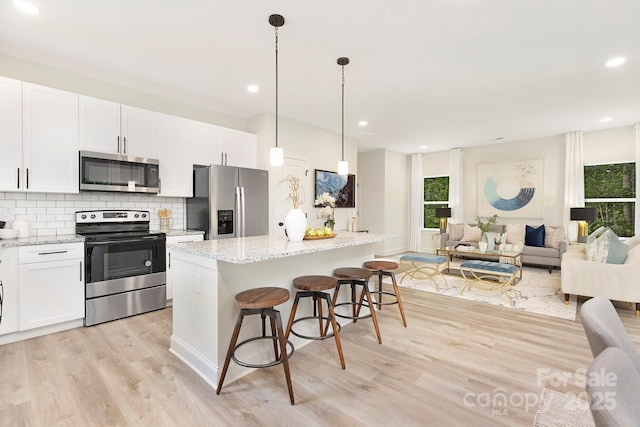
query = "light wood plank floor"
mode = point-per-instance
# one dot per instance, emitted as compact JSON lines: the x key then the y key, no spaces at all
{"x":439,"y":371}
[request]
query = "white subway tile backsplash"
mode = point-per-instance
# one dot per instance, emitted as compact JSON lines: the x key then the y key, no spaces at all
{"x":51,"y":214}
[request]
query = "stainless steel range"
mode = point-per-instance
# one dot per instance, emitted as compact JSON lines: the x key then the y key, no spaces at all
{"x":125,"y":265}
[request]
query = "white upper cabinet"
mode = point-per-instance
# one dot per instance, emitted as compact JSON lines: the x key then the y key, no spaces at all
{"x":240,"y":148}
{"x":100,"y":125}
{"x":10,"y":133}
{"x":109,"y":127}
{"x":216,"y":145}
{"x":49,"y":140}
{"x":205,"y":143}
{"x":175,"y":161}
{"x":139,"y":132}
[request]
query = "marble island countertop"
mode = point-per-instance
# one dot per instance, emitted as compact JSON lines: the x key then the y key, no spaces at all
{"x":245,"y":250}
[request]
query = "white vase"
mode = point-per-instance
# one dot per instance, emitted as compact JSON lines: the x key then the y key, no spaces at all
{"x":295,"y":223}
{"x":482,"y":246}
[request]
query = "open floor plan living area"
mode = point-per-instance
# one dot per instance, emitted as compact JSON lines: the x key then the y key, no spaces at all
{"x":285,"y":213}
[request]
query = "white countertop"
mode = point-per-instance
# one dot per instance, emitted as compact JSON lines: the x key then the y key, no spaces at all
{"x":245,"y":250}
{"x":72,"y":238}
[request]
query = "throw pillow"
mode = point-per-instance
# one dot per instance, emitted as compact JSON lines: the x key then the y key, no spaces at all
{"x":591,"y":239}
{"x":455,"y":231}
{"x":553,"y":236}
{"x":609,"y":249}
{"x":471,"y":234}
{"x":515,"y":234}
{"x":534,"y":236}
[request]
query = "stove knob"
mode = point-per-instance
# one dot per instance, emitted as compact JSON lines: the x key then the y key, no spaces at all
{"x":83,"y":216}
{"x":93,"y":216}
{"x":144,"y":215}
{"x":136,"y":216}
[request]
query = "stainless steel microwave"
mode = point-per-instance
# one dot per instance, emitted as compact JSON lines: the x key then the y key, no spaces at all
{"x":115,"y":172}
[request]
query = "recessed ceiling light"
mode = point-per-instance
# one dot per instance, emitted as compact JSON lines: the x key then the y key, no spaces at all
{"x":614,"y":62}
{"x":422,"y":147}
{"x":362,"y":123}
{"x":606,"y":119}
{"x":25,"y":6}
{"x":253,"y":88}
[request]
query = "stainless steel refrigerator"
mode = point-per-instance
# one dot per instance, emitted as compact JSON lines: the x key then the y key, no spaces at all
{"x":229,"y":202}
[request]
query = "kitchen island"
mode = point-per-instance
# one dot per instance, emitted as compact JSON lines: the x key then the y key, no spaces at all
{"x":208,"y":275}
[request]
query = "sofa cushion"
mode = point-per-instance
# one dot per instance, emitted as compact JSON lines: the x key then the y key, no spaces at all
{"x":632,"y":242}
{"x":541,"y":252}
{"x":471,"y":234}
{"x":553,"y":236}
{"x":515,"y":234}
{"x":608,"y":248}
{"x":456,"y":231}
{"x":534,"y":236}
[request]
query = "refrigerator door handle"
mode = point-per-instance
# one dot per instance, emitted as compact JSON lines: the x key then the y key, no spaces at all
{"x":242,"y":206}
{"x":238,"y":232}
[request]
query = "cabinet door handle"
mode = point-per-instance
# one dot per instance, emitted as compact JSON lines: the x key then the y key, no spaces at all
{"x":118,"y":150}
{"x":1,"y":299}
{"x":225,"y":158}
{"x":27,"y":178}
{"x":124,"y":145}
{"x":18,"y":178}
{"x":52,"y":252}
{"x":169,"y":260}
{"x":80,"y":270}
{"x":222,"y":158}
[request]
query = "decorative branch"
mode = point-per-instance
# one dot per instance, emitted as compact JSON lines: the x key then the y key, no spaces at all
{"x":296,"y":191}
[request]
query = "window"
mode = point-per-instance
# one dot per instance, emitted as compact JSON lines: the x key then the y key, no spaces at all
{"x":611,"y":189}
{"x":436,"y":195}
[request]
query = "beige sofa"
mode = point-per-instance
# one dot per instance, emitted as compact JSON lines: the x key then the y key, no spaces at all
{"x":619,"y":282}
{"x":531,"y":255}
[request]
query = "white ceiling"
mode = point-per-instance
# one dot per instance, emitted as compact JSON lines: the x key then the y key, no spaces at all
{"x":440,"y":73}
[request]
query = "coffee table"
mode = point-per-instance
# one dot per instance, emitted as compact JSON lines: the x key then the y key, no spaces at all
{"x":501,"y":256}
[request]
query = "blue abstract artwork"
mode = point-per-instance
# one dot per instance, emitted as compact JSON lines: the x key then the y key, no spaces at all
{"x":341,"y":187}
{"x":511,"y":189}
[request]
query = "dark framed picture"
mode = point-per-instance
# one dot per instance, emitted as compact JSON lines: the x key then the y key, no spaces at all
{"x":341,"y":187}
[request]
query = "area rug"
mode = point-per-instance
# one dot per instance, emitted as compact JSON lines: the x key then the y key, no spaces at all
{"x":557,"y":408}
{"x":538,"y":291}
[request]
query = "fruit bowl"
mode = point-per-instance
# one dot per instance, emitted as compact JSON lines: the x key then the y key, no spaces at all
{"x":326,"y":236}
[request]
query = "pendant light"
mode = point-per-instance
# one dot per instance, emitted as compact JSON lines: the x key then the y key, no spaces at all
{"x":343,"y":165}
{"x":276,"y":155}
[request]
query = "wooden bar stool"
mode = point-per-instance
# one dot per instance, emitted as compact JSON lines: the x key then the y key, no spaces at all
{"x":355,"y":276}
{"x":383,"y":268}
{"x":312,"y":287}
{"x":261,"y":301}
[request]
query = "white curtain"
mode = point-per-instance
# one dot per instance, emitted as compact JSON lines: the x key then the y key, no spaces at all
{"x":416,"y":218}
{"x":573,"y":180}
{"x":637,"y":218}
{"x":456,"y":182}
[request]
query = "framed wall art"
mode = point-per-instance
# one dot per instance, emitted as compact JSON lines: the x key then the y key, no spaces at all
{"x":342,"y":187}
{"x":511,"y":189}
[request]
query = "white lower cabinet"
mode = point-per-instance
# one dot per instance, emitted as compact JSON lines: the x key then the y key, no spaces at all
{"x":51,"y":284}
{"x":9,"y":292}
{"x":170,"y":241}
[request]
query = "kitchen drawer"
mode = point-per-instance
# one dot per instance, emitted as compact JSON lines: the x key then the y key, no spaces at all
{"x":184,"y":239}
{"x":55,"y":252}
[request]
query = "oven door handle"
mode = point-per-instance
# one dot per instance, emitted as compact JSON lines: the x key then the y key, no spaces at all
{"x":116,"y":242}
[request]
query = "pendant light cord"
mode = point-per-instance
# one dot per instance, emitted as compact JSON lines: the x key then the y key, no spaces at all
{"x":343,"y":113}
{"x":276,"y":29}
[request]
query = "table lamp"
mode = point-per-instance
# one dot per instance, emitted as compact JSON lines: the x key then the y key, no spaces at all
{"x":443,"y":214}
{"x":583,"y":215}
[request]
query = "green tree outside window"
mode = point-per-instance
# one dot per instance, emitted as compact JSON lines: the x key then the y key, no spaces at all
{"x":611,"y":189}
{"x":436,"y":195}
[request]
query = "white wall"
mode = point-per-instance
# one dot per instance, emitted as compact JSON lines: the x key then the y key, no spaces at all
{"x":384,"y":202}
{"x":603,"y":146}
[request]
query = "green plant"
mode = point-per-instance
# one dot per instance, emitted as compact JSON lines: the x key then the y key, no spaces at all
{"x":486,"y":226}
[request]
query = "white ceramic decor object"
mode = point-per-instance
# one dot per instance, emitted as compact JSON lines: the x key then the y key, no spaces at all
{"x":23,"y":226}
{"x":295,"y":223}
